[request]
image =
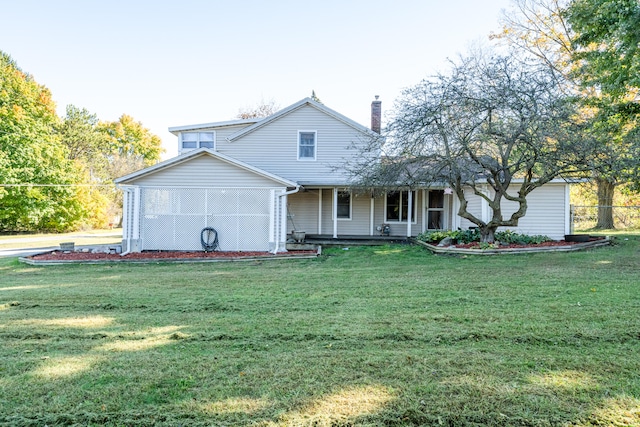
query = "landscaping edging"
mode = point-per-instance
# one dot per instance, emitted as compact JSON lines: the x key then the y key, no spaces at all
{"x":267,"y":257}
{"x":568,"y":248}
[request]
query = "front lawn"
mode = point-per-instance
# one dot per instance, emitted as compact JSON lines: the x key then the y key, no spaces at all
{"x":366,"y":336}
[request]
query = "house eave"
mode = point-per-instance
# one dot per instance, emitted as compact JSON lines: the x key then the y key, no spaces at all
{"x":214,"y":125}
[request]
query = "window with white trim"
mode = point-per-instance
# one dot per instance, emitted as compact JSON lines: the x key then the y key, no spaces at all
{"x":307,"y":145}
{"x":397,"y":206}
{"x":192,"y":140}
{"x":344,"y":205}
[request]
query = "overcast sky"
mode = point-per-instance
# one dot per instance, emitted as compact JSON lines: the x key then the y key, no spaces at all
{"x":173,"y":63}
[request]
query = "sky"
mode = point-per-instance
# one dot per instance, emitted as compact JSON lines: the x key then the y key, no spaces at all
{"x":174,"y":63}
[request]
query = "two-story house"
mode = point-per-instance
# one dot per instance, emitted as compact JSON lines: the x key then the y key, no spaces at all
{"x":255,"y":181}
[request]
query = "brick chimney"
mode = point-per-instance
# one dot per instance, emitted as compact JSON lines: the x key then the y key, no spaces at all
{"x":376,"y":115}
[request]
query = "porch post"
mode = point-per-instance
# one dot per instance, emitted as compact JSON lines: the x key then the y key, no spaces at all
{"x":446,"y":203}
{"x":410,"y":211}
{"x":455,"y":218}
{"x":335,"y":212}
{"x":424,"y":210}
{"x":568,"y":220}
{"x":320,"y":211}
{"x":371,"y":216}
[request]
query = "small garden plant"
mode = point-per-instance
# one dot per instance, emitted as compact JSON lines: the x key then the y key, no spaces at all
{"x":507,"y":237}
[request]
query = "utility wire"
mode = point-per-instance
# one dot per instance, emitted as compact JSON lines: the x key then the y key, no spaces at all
{"x":57,"y":185}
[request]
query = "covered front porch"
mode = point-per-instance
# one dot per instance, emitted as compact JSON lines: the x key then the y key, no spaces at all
{"x":342,"y":213}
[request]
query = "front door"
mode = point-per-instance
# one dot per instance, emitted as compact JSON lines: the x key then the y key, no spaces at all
{"x":435,"y":210}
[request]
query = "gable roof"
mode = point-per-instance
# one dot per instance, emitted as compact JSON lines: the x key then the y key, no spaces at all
{"x":203,"y":152}
{"x":285,"y":111}
{"x":177,"y":129}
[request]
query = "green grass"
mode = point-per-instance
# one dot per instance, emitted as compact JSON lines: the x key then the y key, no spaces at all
{"x":367,"y":336}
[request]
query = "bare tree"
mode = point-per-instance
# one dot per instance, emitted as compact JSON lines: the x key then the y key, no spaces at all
{"x":494,"y":126}
{"x":263,"y":109}
{"x":540,"y":28}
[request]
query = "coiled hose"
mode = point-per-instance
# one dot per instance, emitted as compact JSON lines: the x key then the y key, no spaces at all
{"x":209,"y":239}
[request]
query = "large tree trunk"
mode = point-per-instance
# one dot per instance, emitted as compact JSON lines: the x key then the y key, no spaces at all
{"x":606,"y":190}
{"x":487,"y":234}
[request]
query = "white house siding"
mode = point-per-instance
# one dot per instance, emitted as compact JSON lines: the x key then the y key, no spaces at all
{"x":304,"y":208}
{"x":360,"y":222}
{"x":546,"y":207}
{"x":545,"y":215}
{"x":358,"y":225}
{"x":274,"y":148}
{"x":327,"y":211}
{"x":474,"y":206}
{"x":303,"y":211}
{"x":205,"y":171}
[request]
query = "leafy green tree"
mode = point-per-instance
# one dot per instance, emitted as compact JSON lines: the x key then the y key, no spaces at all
{"x":88,"y":148}
{"x":607,"y":60}
{"x":81,"y":133}
{"x":37,"y":181}
{"x":130,"y":139}
{"x":543,"y":28}
{"x":130,"y":147}
{"x":104,"y":151}
{"x":607,"y":46}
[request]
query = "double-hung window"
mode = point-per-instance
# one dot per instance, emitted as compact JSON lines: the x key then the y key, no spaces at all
{"x":397,"y":206}
{"x":344,"y":205}
{"x":192,"y":140}
{"x":307,"y":143}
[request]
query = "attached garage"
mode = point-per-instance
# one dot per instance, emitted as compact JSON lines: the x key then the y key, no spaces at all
{"x":167,"y":206}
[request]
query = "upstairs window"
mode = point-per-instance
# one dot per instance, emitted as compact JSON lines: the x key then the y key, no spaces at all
{"x":397,"y":206}
{"x":191,"y":140}
{"x":306,"y":145}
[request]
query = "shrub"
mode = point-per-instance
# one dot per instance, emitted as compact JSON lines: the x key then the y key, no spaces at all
{"x":461,"y":236}
{"x":473,"y":235}
{"x":433,"y":236}
{"x":511,"y":237}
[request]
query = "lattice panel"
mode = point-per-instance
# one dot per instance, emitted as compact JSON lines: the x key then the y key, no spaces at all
{"x":173,"y":218}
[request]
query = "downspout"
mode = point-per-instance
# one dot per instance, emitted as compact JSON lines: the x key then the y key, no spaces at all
{"x":283,"y":194}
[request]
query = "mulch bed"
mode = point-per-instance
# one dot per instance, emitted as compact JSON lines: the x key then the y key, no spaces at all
{"x":552,"y":243}
{"x":160,"y":255}
{"x":553,"y":246}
